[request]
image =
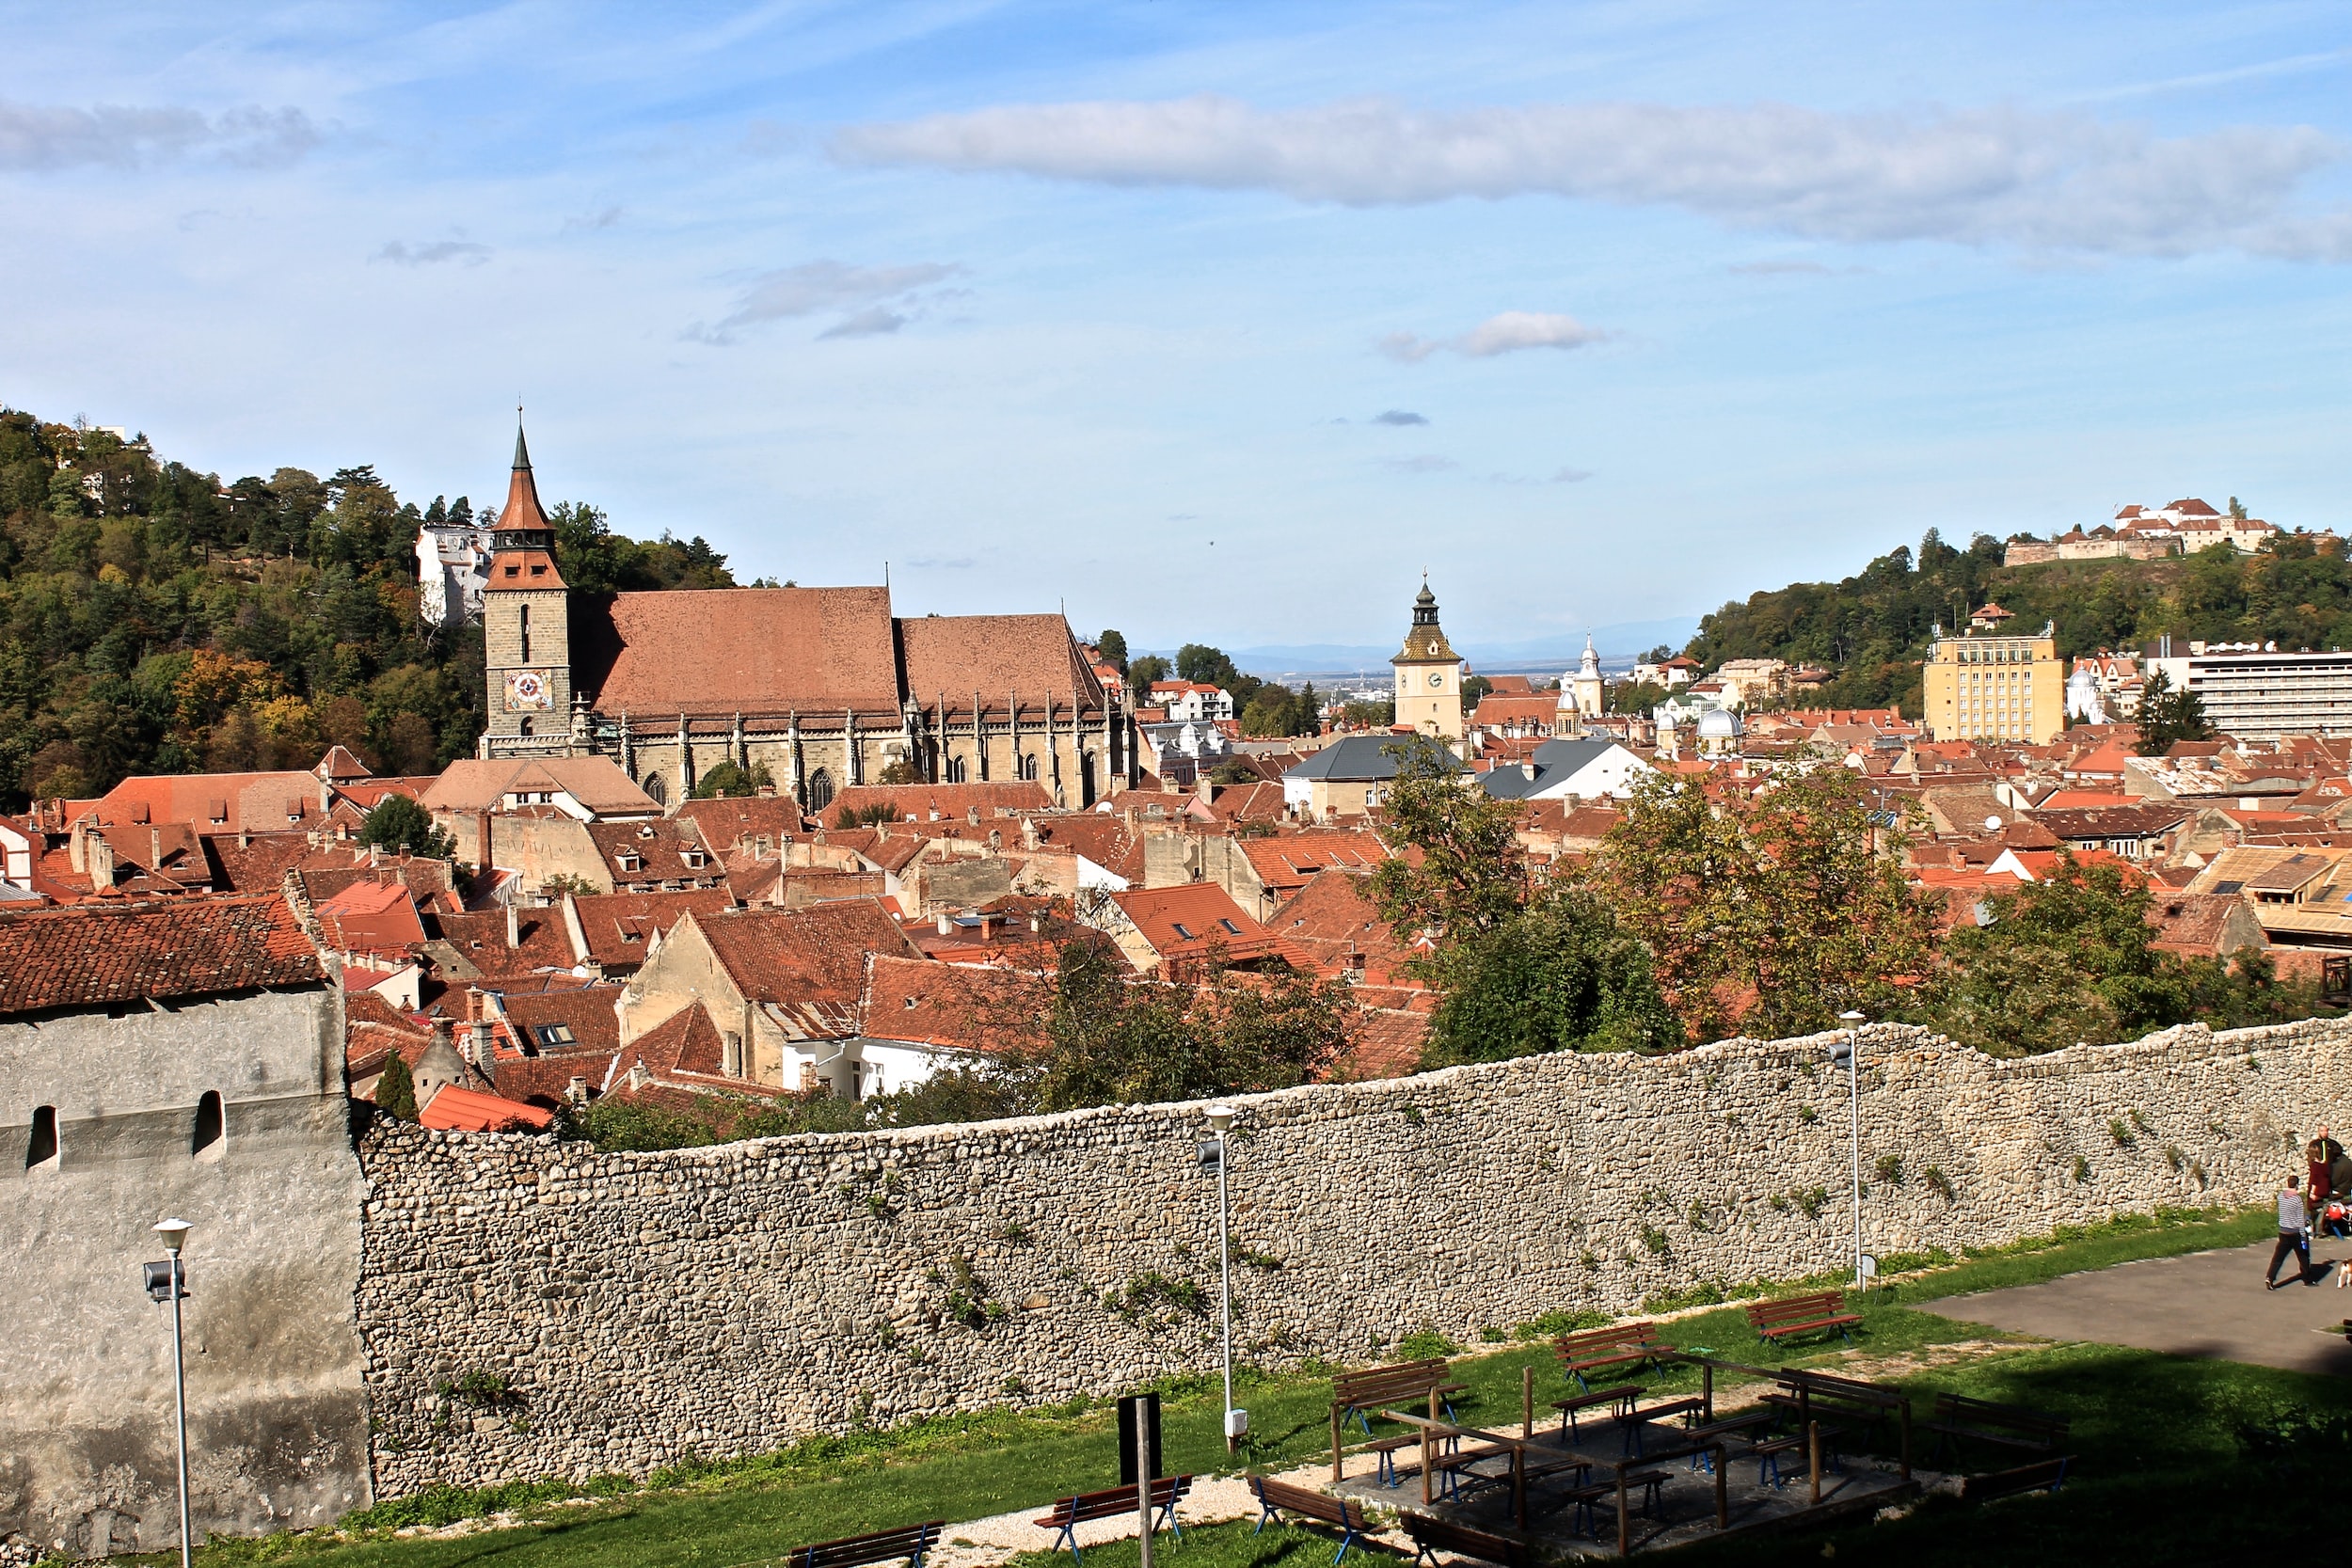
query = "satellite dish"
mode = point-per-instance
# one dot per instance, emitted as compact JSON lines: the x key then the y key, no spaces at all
{"x":1991,"y":824}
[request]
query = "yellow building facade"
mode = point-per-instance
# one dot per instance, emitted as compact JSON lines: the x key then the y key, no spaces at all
{"x":1990,"y":687}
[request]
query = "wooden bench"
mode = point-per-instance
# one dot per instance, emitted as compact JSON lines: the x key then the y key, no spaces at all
{"x":2047,"y":1475}
{"x":1457,"y":1468}
{"x":1070,"y":1512}
{"x":1768,"y":1452}
{"x":1276,"y":1497}
{"x":1359,"y":1394}
{"x":1431,"y":1536}
{"x":1776,"y":1320}
{"x":1663,"y":1410}
{"x":1622,"y":1398}
{"x":2011,"y":1426}
{"x":1619,"y":1345}
{"x":1590,"y":1500}
{"x":882,"y":1545}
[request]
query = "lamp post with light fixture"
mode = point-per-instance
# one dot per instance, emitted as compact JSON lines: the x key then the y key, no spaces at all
{"x":1220,"y":1122}
{"x":169,"y":1281}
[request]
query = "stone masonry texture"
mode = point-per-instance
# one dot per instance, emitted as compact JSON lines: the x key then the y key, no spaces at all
{"x":532,"y":1308}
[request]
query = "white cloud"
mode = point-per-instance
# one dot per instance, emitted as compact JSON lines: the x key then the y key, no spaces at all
{"x":1507,"y":333}
{"x":40,"y":138}
{"x":2000,"y":176}
{"x":433,"y":252}
{"x":874,"y":299}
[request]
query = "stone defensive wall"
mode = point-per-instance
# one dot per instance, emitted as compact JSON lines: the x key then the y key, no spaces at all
{"x":530,"y":1309}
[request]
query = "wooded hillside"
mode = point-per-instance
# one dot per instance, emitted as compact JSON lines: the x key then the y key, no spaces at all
{"x":155,"y":620}
{"x":1873,"y":629}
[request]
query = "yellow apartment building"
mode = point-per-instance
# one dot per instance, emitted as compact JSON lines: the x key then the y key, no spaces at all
{"x":1982,"y":686}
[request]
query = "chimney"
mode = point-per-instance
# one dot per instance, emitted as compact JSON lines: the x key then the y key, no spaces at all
{"x":947,"y":924}
{"x":514,"y":928}
{"x":244,"y":840}
{"x":485,"y":1056}
{"x":1029,"y":833}
{"x":576,"y":1091}
{"x":987,"y":926}
{"x":441,"y":1031}
{"x":882,"y":832}
{"x":76,"y":849}
{"x":154,"y":848}
{"x":102,"y":864}
{"x":1036,"y":922}
{"x":972,"y":815}
{"x":638,"y":1076}
{"x":473,"y":1002}
{"x":374,"y":856}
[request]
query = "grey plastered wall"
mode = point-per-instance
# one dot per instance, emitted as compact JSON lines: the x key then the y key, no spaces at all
{"x":278,"y":1422}
{"x":619,"y":1311}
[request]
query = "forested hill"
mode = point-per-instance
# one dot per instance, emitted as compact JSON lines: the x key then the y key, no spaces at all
{"x":153,"y":619}
{"x":1873,"y":629}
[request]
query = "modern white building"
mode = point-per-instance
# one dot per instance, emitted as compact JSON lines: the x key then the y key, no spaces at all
{"x":452,"y":570}
{"x":2260,"y":693}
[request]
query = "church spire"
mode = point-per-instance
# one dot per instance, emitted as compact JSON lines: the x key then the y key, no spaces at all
{"x":522,"y":510}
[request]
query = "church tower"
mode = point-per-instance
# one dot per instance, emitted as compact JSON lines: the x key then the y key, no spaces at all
{"x":526,"y":628}
{"x":1429,"y":675}
{"x":1583,"y":695}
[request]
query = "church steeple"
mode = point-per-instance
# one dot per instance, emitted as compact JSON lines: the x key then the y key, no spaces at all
{"x":1428,"y":673}
{"x":522,"y":522}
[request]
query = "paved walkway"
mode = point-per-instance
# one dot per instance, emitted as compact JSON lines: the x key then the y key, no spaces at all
{"x":2210,"y":1305}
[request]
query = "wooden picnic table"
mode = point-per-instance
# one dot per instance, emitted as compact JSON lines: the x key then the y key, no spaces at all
{"x":1518,"y":1448}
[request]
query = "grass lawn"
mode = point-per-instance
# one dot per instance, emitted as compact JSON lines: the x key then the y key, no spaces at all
{"x":2148,"y":1426}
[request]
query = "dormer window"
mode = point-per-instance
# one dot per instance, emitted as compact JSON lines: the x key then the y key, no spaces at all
{"x":693,"y":857}
{"x":630,"y":862}
{"x":513,"y":571}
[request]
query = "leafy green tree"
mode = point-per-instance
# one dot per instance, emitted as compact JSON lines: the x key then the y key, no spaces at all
{"x":1114,"y":647}
{"x":1559,"y":975}
{"x":403,"y":827}
{"x":728,"y":780}
{"x":1475,"y":688}
{"x":2166,"y":716}
{"x":1368,"y":715}
{"x":1770,"y":912}
{"x":1635,"y":696}
{"x":1464,"y":873}
{"x":396,"y":1090}
{"x":900,"y":772}
{"x":1233,"y":770}
{"x":1142,"y":671}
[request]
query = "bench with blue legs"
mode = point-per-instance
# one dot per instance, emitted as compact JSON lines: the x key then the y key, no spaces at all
{"x":1275,"y":1498}
{"x":1071,"y":1512}
{"x":908,"y":1542}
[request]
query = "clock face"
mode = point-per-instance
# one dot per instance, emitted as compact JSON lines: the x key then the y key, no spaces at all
{"x":1436,"y":680}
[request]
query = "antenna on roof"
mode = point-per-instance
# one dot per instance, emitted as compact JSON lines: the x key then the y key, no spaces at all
{"x":885,"y":574}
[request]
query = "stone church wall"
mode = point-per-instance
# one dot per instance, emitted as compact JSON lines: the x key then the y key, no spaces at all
{"x":614,"y":1312}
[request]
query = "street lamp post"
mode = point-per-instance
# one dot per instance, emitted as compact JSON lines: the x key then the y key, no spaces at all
{"x":1236,"y":1421}
{"x":171,"y":1287}
{"x":1851,"y":1048}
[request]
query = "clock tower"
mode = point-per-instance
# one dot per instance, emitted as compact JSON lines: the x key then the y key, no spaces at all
{"x":1429,"y":675}
{"x":526,"y":629}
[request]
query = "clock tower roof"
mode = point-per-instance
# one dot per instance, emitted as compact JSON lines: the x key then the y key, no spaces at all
{"x":1426,"y":643}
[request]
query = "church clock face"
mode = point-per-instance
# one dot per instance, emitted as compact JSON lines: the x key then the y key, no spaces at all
{"x":1436,"y":680}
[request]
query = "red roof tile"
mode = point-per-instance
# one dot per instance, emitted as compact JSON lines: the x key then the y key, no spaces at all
{"x":815,"y":954}
{"x":459,"y":1110}
{"x":90,"y":955}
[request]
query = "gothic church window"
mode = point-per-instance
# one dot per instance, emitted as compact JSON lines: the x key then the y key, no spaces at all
{"x":658,"y":788}
{"x":955,"y":770}
{"x":820,"y":790}
{"x":1028,"y":767}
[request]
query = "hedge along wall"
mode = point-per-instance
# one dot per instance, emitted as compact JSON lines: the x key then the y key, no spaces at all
{"x":531,"y":1308}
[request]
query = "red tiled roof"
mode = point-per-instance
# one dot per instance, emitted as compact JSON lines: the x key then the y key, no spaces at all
{"x":954,"y":1007}
{"x":215,"y":802}
{"x":953,"y":802}
{"x":92,"y":955}
{"x":1002,"y":658}
{"x":459,"y":1110}
{"x":744,"y":650}
{"x":741,"y":820}
{"x":371,"y":917}
{"x":620,"y":927}
{"x":816,"y":954}
{"x":655,"y":851}
{"x":1198,"y":918}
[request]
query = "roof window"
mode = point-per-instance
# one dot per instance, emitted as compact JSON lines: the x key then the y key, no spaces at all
{"x":1181,"y":929}
{"x":556,"y":1033}
{"x":910,"y":1002}
{"x":513,"y":571}
{"x":1231,"y":926}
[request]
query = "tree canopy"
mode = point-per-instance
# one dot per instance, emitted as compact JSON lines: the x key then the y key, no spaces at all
{"x":403,"y":827}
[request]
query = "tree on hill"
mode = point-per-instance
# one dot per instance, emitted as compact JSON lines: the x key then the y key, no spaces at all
{"x":1113,"y":647}
{"x":406,"y":828}
{"x":1142,"y":671}
{"x":2166,"y":716}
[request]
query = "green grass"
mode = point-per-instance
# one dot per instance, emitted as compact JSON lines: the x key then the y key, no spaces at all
{"x":965,"y":1467}
{"x":1226,"y":1546}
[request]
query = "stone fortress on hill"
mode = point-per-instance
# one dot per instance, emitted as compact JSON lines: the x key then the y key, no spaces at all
{"x":827,"y":687}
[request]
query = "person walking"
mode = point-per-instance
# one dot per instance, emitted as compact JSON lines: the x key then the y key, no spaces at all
{"x":2293,"y":1235}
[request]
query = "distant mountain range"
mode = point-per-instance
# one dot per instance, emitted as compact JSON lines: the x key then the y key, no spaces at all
{"x":1616,"y":645}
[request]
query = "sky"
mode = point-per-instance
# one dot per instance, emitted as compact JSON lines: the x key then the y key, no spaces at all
{"x":1212,"y":322}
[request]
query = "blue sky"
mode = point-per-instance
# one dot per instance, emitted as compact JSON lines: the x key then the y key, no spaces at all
{"x":1104,"y":303}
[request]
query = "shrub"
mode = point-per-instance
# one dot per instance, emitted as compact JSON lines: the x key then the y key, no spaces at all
{"x":1655,"y":1240}
{"x":1938,"y":1182}
{"x":2082,"y":1168}
{"x":1424,"y":1343}
{"x":1807,"y":1115}
{"x":1813,"y":1202}
{"x":1890,"y":1169}
{"x":2120,"y":1133}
